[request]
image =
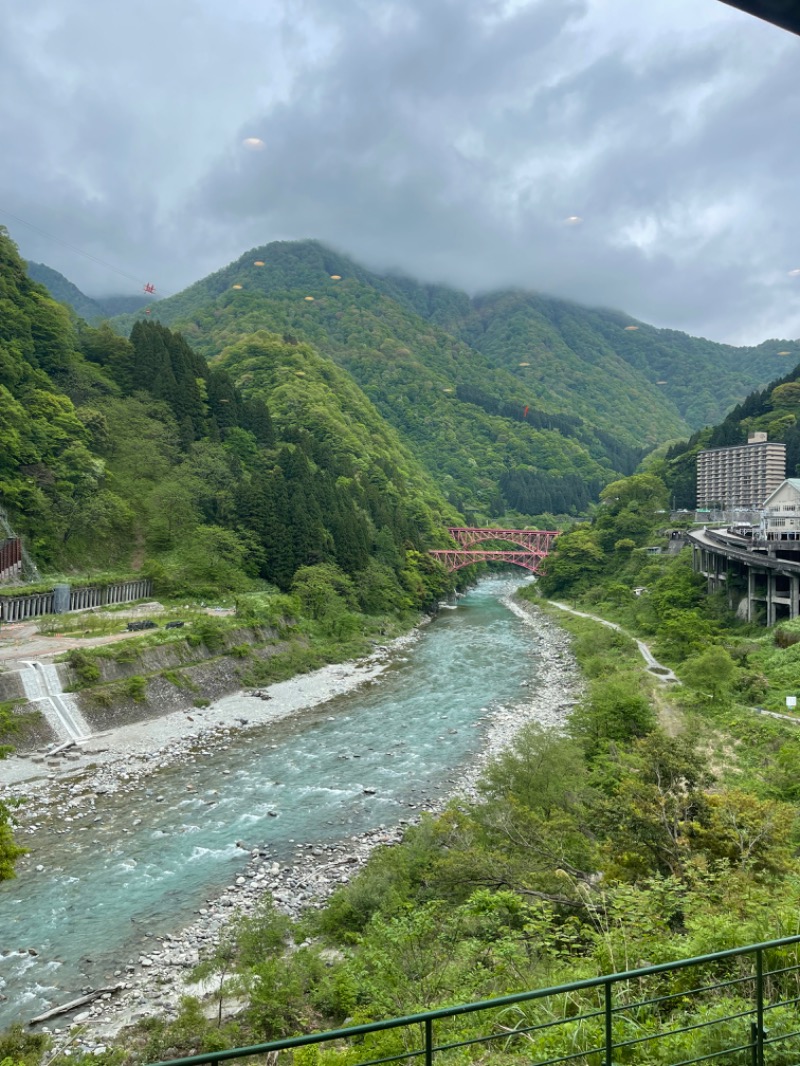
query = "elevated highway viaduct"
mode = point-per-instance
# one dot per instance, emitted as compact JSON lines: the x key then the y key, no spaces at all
{"x":761,"y":578}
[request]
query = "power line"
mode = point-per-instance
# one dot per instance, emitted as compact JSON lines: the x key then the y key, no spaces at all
{"x":72,"y":247}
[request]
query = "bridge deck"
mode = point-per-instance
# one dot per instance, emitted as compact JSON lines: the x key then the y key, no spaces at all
{"x":532,"y":547}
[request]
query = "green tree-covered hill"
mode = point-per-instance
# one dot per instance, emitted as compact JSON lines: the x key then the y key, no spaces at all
{"x":117,"y":449}
{"x":774,"y":410}
{"x":519,"y":405}
{"x":577,"y":352}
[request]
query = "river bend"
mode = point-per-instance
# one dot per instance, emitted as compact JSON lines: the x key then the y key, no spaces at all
{"x":143,"y":862}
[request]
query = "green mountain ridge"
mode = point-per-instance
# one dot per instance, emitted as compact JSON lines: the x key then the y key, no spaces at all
{"x":549,"y":329}
{"x":114,"y":450}
{"x":92,"y":309}
{"x":512,"y":400}
{"x":520,"y":406}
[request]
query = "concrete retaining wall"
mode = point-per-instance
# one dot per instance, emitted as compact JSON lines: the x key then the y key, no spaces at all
{"x":202,"y":674}
{"x":18,"y":607}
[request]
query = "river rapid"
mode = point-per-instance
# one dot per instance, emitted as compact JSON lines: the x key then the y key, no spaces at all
{"x":140,"y":863}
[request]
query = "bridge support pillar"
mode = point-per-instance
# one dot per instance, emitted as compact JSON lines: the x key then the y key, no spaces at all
{"x":794,"y":595}
{"x":770,"y":598}
{"x":751,"y":592}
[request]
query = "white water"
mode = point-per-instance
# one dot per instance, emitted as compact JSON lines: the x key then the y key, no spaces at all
{"x":111,"y":877}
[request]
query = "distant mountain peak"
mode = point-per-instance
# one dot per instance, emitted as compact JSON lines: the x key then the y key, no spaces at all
{"x":92,"y":309}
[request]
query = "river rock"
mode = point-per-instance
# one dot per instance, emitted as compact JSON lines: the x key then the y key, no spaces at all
{"x":310,"y":877}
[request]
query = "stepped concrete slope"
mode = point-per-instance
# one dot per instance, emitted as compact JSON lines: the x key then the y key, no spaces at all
{"x":43,"y":687}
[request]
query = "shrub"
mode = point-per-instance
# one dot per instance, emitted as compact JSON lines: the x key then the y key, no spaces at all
{"x":176,"y":678}
{"x":21,"y":1048}
{"x":208,"y":631}
{"x":86,"y":670}
{"x":136,"y":688}
{"x":785,"y":639}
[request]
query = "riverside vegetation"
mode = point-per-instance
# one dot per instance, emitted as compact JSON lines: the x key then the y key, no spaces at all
{"x":661,"y":823}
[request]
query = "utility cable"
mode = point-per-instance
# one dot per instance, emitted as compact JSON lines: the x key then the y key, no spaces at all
{"x":72,"y":247}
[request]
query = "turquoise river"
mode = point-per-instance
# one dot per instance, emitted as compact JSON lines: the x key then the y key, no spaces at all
{"x":157,"y":856}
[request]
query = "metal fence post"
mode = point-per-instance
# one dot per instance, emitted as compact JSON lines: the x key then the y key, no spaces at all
{"x":609,"y":1059}
{"x":759,"y":1058}
{"x":428,"y":1041}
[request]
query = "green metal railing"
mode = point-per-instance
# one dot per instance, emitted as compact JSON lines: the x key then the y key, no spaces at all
{"x":739,"y":1007}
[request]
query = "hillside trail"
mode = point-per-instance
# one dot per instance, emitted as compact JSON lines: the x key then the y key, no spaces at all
{"x":660,"y":672}
{"x":669,"y":717}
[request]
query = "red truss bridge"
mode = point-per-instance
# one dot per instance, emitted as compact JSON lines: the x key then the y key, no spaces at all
{"x":531,"y":546}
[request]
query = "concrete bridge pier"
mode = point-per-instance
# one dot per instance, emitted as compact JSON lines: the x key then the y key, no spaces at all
{"x":752,"y":594}
{"x":727,"y":561}
{"x":777,"y":590}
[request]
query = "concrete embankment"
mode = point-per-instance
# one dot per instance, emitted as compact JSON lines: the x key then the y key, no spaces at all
{"x":134,"y":684}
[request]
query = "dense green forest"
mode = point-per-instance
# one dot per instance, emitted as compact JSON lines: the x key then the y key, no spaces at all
{"x":492,"y":394}
{"x":138,"y":452}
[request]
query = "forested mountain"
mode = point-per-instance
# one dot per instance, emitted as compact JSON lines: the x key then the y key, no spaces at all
{"x":574,"y":351}
{"x":519,"y":405}
{"x":774,"y":410}
{"x":116,"y":448}
{"x":93,"y":310}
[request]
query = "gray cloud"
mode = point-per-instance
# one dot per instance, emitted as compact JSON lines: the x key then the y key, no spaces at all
{"x":446,"y":138}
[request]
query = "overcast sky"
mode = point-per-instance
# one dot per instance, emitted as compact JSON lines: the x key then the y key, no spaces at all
{"x":449,"y":139}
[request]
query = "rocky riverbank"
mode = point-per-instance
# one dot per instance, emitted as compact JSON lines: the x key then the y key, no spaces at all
{"x":118,"y":758}
{"x":155,"y":981}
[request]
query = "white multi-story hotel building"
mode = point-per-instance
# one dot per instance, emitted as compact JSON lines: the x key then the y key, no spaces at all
{"x":742,"y":475}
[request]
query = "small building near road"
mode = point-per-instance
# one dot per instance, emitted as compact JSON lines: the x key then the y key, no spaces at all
{"x":780,"y":513}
